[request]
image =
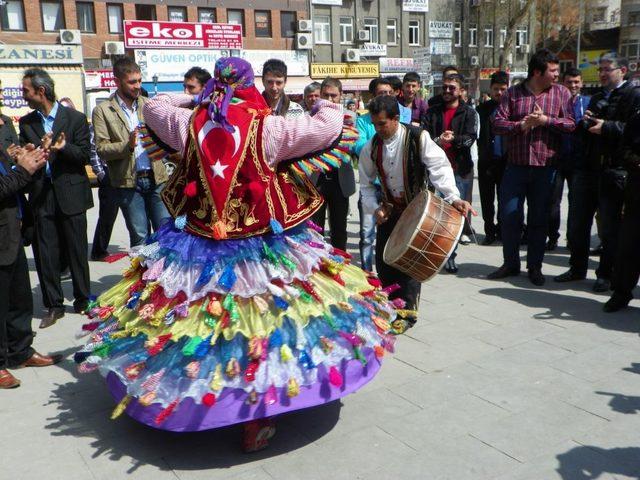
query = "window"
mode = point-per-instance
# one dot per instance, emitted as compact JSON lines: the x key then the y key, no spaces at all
{"x":457,"y":34}
{"x":346,"y":29}
{"x":371,"y":24}
{"x":114,"y":14}
{"x":503,"y":36}
{"x":262,"y":22}
{"x":488,"y":36}
{"x":145,"y":12}
{"x":599,"y":14}
{"x":633,"y":18}
{"x":287,"y":24}
{"x":12,"y":15}
{"x":177,"y":14}
{"x":322,"y":29}
{"x":522,"y":37}
{"x":630,"y":50}
{"x":52,"y":16}
{"x":86,"y":19}
{"x":473,"y":35}
{"x":236,"y":17}
{"x":392,"y":31}
{"x":207,"y":15}
{"x":414,"y":32}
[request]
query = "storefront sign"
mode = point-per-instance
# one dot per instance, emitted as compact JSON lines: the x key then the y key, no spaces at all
{"x":440,"y":46}
{"x":588,"y":64}
{"x":94,"y":79}
{"x":373,"y":50}
{"x":415,"y":5}
{"x":422,"y":60}
{"x":440,"y":29}
{"x":143,"y":34}
{"x":171,"y":65}
{"x":397,"y":65}
{"x":337,"y":3}
{"x":345,"y":70}
{"x":40,"y":54}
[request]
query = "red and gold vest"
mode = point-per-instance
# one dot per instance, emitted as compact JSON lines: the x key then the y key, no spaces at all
{"x":225,"y":187}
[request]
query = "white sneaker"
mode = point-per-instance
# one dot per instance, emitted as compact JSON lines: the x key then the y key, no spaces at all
{"x":465,"y":240}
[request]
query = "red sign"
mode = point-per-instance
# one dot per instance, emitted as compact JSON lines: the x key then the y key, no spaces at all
{"x":485,"y":73}
{"x":99,"y":79}
{"x":143,"y":34}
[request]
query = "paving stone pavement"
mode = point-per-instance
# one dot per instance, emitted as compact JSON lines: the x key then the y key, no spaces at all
{"x":498,"y":380}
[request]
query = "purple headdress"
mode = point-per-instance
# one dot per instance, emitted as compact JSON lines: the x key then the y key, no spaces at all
{"x":230,"y":73}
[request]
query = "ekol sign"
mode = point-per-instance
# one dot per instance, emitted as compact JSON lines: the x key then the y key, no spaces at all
{"x":143,"y":34}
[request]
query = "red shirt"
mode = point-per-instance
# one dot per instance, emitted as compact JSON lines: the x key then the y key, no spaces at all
{"x":446,"y":125}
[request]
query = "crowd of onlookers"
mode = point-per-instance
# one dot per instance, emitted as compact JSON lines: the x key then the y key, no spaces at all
{"x":524,"y":142}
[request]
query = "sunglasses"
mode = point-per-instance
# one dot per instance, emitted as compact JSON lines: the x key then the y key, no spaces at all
{"x":449,"y":88}
{"x":607,"y":69}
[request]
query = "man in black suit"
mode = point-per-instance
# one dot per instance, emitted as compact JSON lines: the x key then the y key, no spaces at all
{"x":16,"y":305}
{"x":60,"y":194}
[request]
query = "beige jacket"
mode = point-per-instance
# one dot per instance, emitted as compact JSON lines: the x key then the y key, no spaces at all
{"x":112,"y":143}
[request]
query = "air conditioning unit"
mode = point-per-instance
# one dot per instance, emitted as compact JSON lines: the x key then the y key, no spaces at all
{"x":114,"y":48}
{"x":352,"y":55}
{"x":70,"y":37}
{"x":304,"y":41}
{"x":364,"y":36}
{"x":475,"y":61}
{"x":524,"y":48}
{"x":304,"y":25}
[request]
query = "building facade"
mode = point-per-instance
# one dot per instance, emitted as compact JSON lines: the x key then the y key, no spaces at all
{"x":630,"y":33}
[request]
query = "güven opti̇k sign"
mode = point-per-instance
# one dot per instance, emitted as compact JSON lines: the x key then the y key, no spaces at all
{"x":144,"y":34}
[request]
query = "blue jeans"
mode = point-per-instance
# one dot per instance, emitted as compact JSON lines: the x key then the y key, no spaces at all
{"x":142,"y":207}
{"x":367,"y":234}
{"x":536,"y":185}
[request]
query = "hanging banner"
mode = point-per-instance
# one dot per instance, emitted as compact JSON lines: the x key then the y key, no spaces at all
{"x":143,"y":34}
{"x":397,"y":65}
{"x":440,"y":46}
{"x":373,"y":50}
{"x":440,"y":29}
{"x":415,"y":5}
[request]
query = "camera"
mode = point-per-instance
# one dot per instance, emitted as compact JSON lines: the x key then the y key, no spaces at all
{"x":598,"y":110}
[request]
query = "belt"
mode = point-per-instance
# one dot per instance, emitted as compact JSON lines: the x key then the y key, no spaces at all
{"x":144,"y":174}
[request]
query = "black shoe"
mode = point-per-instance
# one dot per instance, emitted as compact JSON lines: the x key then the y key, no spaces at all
{"x":52,"y":316}
{"x":451,"y":266}
{"x":617,"y":302}
{"x":536,"y":277}
{"x":488,"y":239}
{"x":569,"y":276}
{"x":596,"y":251}
{"x":66,"y":274}
{"x":602,"y":285}
{"x":504,"y":272}
{"x":80,"y":306}
{"x":551,"y":245}
{"x":99,"y":257}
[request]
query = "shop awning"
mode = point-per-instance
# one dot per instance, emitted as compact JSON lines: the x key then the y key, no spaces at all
{"x":356,"y":84}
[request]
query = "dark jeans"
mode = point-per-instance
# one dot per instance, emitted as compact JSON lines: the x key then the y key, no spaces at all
{"x":409,"y":289}
{"x":489,"y":177}
{"x":562,"y":175}
{"x":627,"y":266}
{"x":106,"y":217}
{"x":583,"y":203}
{"x":612,"y":183}
{"x":338,"y":206}
{"x":16,"y":311}
{"x":534,"y":184}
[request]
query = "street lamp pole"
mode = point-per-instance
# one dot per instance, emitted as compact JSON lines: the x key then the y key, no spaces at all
{"x":580,"y":7}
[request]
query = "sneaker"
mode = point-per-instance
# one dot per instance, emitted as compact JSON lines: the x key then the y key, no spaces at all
{"x":464,"y":239}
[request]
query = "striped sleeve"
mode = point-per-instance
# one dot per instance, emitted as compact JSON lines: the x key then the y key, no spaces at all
{"x":169,"y":116}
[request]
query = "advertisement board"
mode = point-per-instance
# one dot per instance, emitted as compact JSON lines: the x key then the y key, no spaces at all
{"x":373,"y":50}
{"x":95,"y":79}
{"x":440,"y":46}
{"x":147,"y":34}
{"x":397,"y":65}
{"x":344,"y":70}
{"x":440,"y":29}
{"x":24,"y":54}
{"x":415,"y":5}
{"x":588,"y":64}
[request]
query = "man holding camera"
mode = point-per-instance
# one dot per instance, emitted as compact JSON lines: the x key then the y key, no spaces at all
{"x":603,"y":171}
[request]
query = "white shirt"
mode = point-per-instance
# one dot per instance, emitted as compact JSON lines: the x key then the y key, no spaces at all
{"x":433,"y":157}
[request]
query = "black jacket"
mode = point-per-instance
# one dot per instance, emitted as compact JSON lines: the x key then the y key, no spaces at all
{"x":11,"y":226}
{"x":605,"y":150}
{"x":8,"y":133}
{"x":68,"y":172}
{"x":464,"y":129}
{"x":487,"y":137}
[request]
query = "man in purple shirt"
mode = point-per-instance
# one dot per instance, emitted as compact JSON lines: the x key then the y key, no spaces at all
{"x":534,"y":115}
{"x":409,"y":98}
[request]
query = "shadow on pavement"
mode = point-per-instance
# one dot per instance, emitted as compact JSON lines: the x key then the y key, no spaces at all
{"x":623,"y":403}
{"x":84,"y":408}
{"x":634,"y":368}
{"x":590,"y":462}
{"x":569,"y":307}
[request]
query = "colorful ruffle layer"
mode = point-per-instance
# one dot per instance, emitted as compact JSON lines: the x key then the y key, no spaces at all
{"x":201,"y":333}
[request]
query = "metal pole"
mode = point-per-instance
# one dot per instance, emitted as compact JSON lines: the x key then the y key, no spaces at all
{"x":580,"y":7}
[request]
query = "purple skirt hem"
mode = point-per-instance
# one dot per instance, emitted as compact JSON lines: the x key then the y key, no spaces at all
{"x":231,"y":405}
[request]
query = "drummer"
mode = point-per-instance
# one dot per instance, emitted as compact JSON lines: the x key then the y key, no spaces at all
{"x":405,"y":159}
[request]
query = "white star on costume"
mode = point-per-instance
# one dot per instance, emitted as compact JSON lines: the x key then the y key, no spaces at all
{"x":218,"y":169}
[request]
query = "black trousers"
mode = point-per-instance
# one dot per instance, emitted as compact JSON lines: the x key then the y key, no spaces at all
{"x":16,"y":311}
{"x":584,"y":195}
{"x":338,"y":206}
{"x":56,"y":235}
{"x":489,"y":178}
{"x":612,"y":185}
{"x":627,"y":266}
{"x":409,"y":289}
{"x":106,"y":217}
{"x":562,"y":175}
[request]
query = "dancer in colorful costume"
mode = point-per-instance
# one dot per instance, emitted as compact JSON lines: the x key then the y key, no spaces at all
{"x":238,"y":310}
